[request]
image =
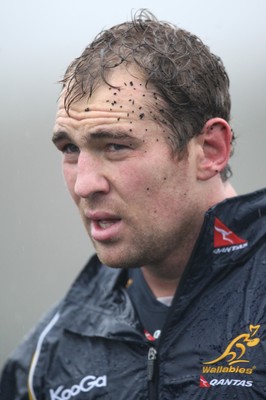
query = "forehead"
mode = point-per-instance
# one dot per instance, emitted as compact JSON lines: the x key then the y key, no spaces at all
{"x":125,"y":93}
{"x":125,"y":106}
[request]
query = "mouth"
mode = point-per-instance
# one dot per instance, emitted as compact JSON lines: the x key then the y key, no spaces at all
{"x":104,"y":224}
{"x":105,"y":227}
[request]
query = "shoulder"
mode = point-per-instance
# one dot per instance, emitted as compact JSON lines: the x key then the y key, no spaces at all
{"x":13,"y":382}
{"x":14,"y":376}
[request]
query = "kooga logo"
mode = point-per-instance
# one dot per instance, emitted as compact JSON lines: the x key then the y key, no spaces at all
{"x":86,"y":385}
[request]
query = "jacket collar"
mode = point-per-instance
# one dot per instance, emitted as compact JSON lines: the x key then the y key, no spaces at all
{"x":213,"y":257}
{"x":238,"y":225}
{"x":99,"y":292}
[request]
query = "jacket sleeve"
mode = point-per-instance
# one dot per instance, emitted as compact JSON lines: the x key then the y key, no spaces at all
{"x":14,"y":377}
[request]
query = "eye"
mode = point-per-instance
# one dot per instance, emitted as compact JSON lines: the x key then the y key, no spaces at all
{"x":70,"y":148}
{"x":114,"y":147}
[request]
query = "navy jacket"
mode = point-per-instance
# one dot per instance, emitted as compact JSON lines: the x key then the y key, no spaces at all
{"x":213,"y":344}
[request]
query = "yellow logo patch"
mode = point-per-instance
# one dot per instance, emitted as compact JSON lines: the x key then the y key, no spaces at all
{"x":235,"y":351}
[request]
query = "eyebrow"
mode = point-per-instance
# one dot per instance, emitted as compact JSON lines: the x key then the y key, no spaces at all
{"x":59,"y":136}
{"x":101,"y":134}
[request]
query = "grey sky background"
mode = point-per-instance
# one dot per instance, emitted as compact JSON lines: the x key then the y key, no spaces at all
{"x":43,"y":243}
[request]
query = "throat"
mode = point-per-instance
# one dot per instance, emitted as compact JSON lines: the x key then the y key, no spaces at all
{"x":160,"y":286}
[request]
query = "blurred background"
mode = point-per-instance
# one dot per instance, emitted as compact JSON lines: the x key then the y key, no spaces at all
{"x":43,"y":243}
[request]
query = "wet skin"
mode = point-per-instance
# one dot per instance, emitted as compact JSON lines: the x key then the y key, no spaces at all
{"x":140,"y":202}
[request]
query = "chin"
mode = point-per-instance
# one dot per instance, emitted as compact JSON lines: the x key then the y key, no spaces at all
{"x":116,"y":262}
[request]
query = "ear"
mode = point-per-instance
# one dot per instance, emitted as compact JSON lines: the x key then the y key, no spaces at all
{"x":215,"y":141}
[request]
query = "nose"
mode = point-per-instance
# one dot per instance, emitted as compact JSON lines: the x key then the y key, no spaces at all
{"x":90,"y":178}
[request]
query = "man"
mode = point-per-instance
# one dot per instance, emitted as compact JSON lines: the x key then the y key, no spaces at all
{"x":173,"y":305}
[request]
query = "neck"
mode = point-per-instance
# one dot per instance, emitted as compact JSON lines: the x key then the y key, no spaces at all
{"x":161,"y":287}
{"x":163,"y":278}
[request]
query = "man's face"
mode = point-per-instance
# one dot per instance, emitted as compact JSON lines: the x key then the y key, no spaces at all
{"x":136,"y":198}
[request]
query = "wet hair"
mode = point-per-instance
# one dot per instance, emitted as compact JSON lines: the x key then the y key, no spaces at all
{"x":191,"y":83}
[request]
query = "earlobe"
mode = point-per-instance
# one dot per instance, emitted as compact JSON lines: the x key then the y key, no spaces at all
{"x":215,"y":141}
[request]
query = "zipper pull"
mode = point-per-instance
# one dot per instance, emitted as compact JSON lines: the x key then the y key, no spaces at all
{"x":152,"y":356}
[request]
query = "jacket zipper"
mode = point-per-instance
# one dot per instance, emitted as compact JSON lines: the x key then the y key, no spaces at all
{"x":152,"y":357}
{"x":151,"y":372}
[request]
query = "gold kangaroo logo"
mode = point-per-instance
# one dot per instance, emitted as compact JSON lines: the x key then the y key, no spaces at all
{"x":239,"y":344}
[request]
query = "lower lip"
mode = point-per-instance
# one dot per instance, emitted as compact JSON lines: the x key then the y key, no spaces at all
{"x":105,"y":234}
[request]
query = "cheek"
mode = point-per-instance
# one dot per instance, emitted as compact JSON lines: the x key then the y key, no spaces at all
{"x":70,"y":176}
